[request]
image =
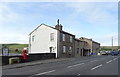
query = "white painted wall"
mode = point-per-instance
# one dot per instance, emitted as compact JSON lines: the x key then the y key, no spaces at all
{"x":42,"y":41}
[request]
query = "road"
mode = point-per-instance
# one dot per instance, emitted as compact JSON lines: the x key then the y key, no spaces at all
{"x":93,"y":65}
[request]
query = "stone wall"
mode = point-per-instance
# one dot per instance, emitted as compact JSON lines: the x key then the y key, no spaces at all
{"x":41,"y":56}
{"x":30,"y":57}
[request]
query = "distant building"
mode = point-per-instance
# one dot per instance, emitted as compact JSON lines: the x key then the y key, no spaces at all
{"x":94,"y":46}
{"x":1,"y":48}
{"x":47,"y":39}
{"x":81,"y":48}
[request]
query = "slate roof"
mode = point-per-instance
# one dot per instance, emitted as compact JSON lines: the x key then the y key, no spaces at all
{"x":52,"y":28}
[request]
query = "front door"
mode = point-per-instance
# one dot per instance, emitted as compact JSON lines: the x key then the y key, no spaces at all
{"x":51,"y":49}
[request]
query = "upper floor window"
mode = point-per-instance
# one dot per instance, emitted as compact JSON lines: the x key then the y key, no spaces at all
{"x":78,"y":43}
{"x":63,"y":37}
{"x":33,"y":38}
{"x":51,"y":36}
{"x":70,"y":38}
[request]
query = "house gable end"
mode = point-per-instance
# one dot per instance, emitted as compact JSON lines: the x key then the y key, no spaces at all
{"x":41,"y":26}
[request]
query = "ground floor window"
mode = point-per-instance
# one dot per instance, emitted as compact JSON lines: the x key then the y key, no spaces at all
{"x":81,"y":52}
{"x":64,"y":49}
{"x":77,"y":50}
{"x":70,"y":50}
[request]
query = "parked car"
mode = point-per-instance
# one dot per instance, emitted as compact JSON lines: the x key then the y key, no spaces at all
{"x":103,"y":53}
{"x":114,"y":52}
{"x":108,"y":52}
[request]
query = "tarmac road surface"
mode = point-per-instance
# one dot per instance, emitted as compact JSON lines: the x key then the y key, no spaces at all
{"x":93,"y":65}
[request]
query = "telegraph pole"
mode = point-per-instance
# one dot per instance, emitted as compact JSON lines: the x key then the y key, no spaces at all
{"x":112,"y":43}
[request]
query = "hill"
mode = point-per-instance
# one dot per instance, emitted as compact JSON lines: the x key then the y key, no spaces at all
{"x":12,"y":47}
{"x":109,"y":47}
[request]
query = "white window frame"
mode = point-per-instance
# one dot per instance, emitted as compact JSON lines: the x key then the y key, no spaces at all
{"x":77,"y":50}
{"x":63,"y":37}
{"x":70,"y":50}
{"x":64,"y":49}
{"x":33,"y":38}
{"x":71,"y":39}
{"x":51,"y":36}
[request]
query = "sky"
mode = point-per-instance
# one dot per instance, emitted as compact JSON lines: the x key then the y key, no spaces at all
{"x":96,"y":20}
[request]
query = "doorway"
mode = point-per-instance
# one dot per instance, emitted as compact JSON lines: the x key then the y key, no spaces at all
{"x":51,"y":49}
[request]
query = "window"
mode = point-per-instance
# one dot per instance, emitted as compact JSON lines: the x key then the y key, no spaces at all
{"x":77,"y":50}
{"x":78,"y":43}
{"x":33,"y":38}
{"x":70,"y":50}
{"x":70,"y":38}
{"x":51,"y":36}
{"x":63,"y":37}
{"x":64,"y":49}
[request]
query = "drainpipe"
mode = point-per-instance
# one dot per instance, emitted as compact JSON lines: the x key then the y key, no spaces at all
{"x":82,"y":52}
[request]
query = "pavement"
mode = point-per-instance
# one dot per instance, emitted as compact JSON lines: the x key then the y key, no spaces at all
{"x":93,"y":65}
{"x":19,"y":65}
{"x":38,"y":62}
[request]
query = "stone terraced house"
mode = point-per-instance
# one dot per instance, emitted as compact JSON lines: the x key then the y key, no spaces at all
{"x":54,"y":40}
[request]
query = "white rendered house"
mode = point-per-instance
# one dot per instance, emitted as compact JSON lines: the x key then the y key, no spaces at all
{"x":43,"y":40}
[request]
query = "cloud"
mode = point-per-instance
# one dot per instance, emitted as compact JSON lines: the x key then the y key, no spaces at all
{"x":97,"y":20}
{"x":16,"y":22}
{"x":13,"y":37}
{"x":80,"y":18}
{"x":96,"y":13}
{"x":7,"y":15}
{"x":106,"y":40}
{"x":7,"y":18}
{"x":59,"y":0}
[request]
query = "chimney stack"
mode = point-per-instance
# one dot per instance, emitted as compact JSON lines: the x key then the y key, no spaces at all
{"x":58,"y":26}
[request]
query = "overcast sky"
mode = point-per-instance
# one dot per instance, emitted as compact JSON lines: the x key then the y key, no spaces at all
{"x":96,"y":20}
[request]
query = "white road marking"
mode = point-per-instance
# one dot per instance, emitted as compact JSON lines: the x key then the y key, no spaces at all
{"x":93,"y":60}
{"x":113,"y":56}
{"x":45,"y":72}
{"x":115,"y":59}
{"x":96,"y":67}
{"x":78,"y":74}
{"x":109,"y":61}
{"x":75,"y":65}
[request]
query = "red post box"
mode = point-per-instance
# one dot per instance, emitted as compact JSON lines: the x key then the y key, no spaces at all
{"x":24,"y":54}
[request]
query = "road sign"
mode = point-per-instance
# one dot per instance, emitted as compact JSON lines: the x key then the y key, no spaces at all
{"x":5,"y":51}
